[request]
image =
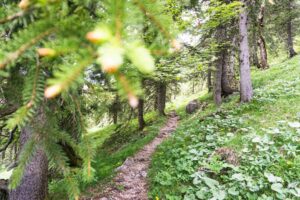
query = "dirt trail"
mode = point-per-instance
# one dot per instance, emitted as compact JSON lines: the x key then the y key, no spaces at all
{"x":131,"y":180}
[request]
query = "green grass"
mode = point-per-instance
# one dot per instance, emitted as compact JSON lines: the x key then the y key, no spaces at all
{"x":264,"y":123}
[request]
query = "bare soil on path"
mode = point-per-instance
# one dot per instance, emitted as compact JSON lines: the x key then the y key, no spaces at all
{"x":130,"y":182}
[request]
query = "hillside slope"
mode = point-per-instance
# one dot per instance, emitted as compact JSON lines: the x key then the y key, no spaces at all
{"x":248,"y":151}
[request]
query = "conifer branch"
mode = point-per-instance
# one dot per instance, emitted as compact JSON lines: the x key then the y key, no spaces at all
{"x":118,"y":21}
{"x":32,"y":95}
{"x":15,"y":55}
{"x":35,"y":84}
{"x":64,"y":79}
{"x":152,"y":18}
{"x":14,"y":16}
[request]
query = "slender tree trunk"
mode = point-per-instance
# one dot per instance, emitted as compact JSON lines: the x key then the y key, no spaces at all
{"x":246,"y":91}
{"x":209,"y":81}
{"x":141,"y":120}
{"x":261,"y":40}
{"x":34,"y":183}
{"x":232,"y":58}
{"x":218,"y":82}
{"x":220,"y":36}
{"x":255,"y":61}
{"x":290,"y":43}
{"x":161,"y":97}
{"x":115,"y":109}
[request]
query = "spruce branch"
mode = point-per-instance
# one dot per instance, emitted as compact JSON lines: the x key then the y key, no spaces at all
{"x":63,"y":79}
{"x":13,"y":17}
{"x":35,"y":84}
{"x":32,"y":95}
{"x":15,"y":55}
{"x":119,"y":14}
{"x":152,"y":18}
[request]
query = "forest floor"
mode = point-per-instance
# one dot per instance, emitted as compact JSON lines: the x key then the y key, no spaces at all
{"x":237,"y":151}
{"x":262,"y":135}
{"x":131,"y":179}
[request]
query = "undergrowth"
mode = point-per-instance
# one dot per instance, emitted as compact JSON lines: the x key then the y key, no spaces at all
{"x":263,"y":136}
{"x":115,"y":144}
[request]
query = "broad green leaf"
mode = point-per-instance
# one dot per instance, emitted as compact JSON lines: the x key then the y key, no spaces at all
{"x":219,"y":195}
{"x":294,"y":124}
{"x":210,"y":182}
{"x":271,"y":178}
{"x":233,"y":191}
{"x":277,"y":187}
{"x":238,"y":177}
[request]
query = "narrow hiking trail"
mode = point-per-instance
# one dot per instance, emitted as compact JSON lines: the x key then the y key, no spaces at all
{"x":131,"y":181}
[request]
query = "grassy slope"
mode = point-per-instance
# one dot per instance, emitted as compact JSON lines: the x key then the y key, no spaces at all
{"x":262,"y":134}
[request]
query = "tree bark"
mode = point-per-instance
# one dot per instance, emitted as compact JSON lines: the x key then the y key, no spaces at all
{"x":218,"y":82}
{"x":141,"y":120}
{"x":255,"y":61}
{"x":34,"y":183}
{"x":261,"y":40}
{"x":115,"y":109}
{"x":220,"y":36}
{"x":290,"y":43}
{"x":209,"y":81}
{"x":228,"y":80}
{"x":161,"y":97}
{"x":246,"y":91}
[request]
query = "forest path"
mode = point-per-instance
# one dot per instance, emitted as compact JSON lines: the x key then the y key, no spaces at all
{"x":131,"y":181}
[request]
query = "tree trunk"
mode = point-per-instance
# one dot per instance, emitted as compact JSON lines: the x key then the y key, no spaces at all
{"x":220,"y":36}
{"x":209,"y":81}
{"x":115,"y":109}
{"x":3,"y":189}
{"x":218,"y":82}
{"x":141,"y":120}
{"x":255,"y":61}
{"x":263,"y":53}
{"x":290,"y":43}
{"x":228,"y":80}
{"x":261,"y":40}
{"x":34,"y":183}
{"x":161,"y":97}
{"x":246,"y":91}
